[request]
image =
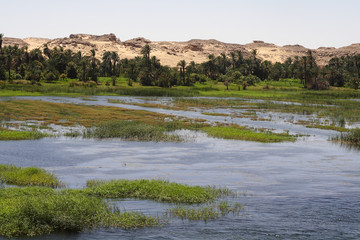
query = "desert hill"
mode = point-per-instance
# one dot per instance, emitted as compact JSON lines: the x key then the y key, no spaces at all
{"x":170,"y":53}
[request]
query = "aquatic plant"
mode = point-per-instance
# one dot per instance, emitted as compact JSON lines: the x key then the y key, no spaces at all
{"x":8,"y":135}
{"x":240,"y":133}
{"x":35,"y":211}
{"x":28,"y":176}
{"x":204,"y":212}
{"x":130,"y":130}
{"x":158,"y":190}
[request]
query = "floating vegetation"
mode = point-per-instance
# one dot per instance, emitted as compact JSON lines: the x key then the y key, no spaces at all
{"x":8,"y":135}
{"x":241,"y":133}
{"x":157,"y":190}
{"x":205,"y":212}
{"x":28,"y":176}
{"x":130,"y":130}
{"x":32,"y":211}
{"x":35,"y":211}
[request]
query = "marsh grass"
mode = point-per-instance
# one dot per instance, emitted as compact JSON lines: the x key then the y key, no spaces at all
{"x":157,"y":190}
{"x":32,"y":211}
{"x":36,"y":211}
{"x":9,"y":135}
{"x":352,"y":138}
{"x":28,"y":176}
{"x":241,"y":133}
{"x":130,"y":130}
{"x":205,"y":212}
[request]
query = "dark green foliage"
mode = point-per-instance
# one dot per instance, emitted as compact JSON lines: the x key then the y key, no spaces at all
{"x":71,"y":70}
{"x":50,"y":76}
{"x":36,"y":65}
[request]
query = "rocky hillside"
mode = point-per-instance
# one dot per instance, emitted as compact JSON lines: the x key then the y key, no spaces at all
{"x":170,"y":53}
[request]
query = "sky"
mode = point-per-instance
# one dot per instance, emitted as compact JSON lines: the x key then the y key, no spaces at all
{"x":311,"y":23}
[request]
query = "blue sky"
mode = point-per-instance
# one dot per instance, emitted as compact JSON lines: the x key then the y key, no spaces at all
{"x":310,"y":23}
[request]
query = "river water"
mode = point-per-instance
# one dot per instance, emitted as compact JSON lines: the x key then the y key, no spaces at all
{"x":309,"y":189}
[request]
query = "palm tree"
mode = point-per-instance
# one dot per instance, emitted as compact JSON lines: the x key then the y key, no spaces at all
{"x":182,"y":65}
{"x":47,"y":51}
{"x":224,"y":63}
{"x":233,"y":60}
{"x":107,"y":62}
{"x":304,"y":61}
{"x":1,"y":41}
{"x":145,"y":51}
{"x":115,"y":58}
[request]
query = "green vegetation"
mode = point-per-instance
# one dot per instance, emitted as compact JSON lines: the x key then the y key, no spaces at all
{"x":37,"y":67}
{"x":248,"y":135}
{"x":205,"y":212}
{"x":32,"y":211}
{"x":130,"y":130}
{"x":157,"y":190}
{"x":36,"y":211}
{"x":351,"y":139}
{"x":7,"y":135}
{"x":29,"y":176}
{"x":114,"y":122}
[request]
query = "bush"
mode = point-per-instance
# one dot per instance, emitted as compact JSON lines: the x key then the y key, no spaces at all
{"x":50,"y":76}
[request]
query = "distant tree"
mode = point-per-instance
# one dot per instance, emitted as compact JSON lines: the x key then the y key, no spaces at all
{"x":182,"y":65}
{"x":145,"y":51}
{"x":115,"y":59}
{"x":107,"y":63}
{"x":71,"y":70}
{"x":1,"y":41}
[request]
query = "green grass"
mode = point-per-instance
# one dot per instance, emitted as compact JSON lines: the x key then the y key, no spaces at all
{"x":157,"y":190}
{"x":204,"y":212}
{"x":7,"y":135}
{"x":32,"y":211}
{"x":130,"y":130}
{"x":28,"y":176}
{"x":37,"y":211}
{"x":237,"y":133}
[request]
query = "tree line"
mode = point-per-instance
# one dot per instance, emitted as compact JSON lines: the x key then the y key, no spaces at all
{"x":58,"y":63}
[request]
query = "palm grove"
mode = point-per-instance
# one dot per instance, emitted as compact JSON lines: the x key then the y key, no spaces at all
{"x":53,"y":64}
